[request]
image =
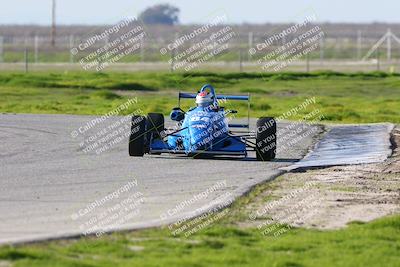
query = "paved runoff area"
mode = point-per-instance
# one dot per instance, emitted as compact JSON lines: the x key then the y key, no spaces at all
{"x":350,"y":144}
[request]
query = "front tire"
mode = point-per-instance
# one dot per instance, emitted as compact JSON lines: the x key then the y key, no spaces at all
{"x":136,"y":137}
{"x":154,"y":128}
{"x":155,"y":124}
{"x":266,"y":139}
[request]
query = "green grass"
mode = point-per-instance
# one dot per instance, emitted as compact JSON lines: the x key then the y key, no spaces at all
{"x":222,"y":244}
{"x":340,"y":97}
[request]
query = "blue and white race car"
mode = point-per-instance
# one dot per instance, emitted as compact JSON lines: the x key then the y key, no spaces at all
{"x":203,"y":131}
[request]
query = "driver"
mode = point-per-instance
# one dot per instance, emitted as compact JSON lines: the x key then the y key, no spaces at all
{"x":204,"y":99}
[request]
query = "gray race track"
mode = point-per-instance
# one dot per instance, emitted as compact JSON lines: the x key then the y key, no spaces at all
{"x":48,"y":179}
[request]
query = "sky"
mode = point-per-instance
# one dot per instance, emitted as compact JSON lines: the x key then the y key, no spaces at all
{"x":249,"y":11}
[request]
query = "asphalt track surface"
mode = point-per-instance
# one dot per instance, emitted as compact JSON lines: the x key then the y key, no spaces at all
{"x":53,"y":183}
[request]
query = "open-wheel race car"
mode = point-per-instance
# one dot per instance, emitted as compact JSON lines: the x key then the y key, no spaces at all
{"x":203,"y":131}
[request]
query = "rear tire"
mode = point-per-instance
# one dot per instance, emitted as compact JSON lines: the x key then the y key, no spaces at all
{"x":266,"y":139}
{"x":136,"y":138}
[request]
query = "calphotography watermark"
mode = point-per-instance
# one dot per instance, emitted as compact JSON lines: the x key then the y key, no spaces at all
{"x":294,"y":131}
{"x":111,"y":211}
{"x":105,"y":132}
{"x":193,"y":200}
{"x":205,"y":136}
{"x":200,"y":210}
{"x":213,"y":22}
{"x":98,"y":120}
{"x":279,"y":50}
{"x":206,"y":216}
{"x":279,"y":216}
{"x":110,"y":46}
{"x":203,"y":44}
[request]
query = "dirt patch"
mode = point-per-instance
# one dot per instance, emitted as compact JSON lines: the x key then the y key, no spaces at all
{"x":5,"y":263}
{"x":332,"y":197}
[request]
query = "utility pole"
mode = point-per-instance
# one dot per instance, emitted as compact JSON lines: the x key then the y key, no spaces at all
{"x":26,"y":59}
{"x":36,"y":48}
{"x":240,"y":61}
{"x":53,"y":23}
{"x":378,"y":58}
{"x":26,"y":54}
{"x":141,"y":50}
{"x":172,"y":65}
{"x":389,"y":45}
{"x":250,"y":43}
{"x":71,"y":45}
{"x":321,"y":50}
{"x":1,"y":49}
{"x":359,"y":45}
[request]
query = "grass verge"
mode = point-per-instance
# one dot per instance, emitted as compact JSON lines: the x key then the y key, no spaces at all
{"x":340,"y":97}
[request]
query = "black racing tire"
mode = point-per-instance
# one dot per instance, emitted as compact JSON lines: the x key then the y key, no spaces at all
{"x":266,"y":139}
{"x":155,"y":125}
{"x":137,"y":136}
{"x":154,"y":128}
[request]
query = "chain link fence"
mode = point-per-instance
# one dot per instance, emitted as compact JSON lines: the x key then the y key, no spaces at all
{"x":349,"y":48}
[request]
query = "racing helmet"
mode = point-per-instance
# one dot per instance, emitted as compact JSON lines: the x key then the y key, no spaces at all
{"x":204,"y":99}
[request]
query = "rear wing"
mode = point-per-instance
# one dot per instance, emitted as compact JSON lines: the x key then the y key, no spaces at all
{"x":225,"y":97}
{"x":228,"y":97}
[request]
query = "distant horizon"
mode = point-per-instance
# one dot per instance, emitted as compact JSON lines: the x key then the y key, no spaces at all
{"x":191,"y":24}
{"x":253,"y":12}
